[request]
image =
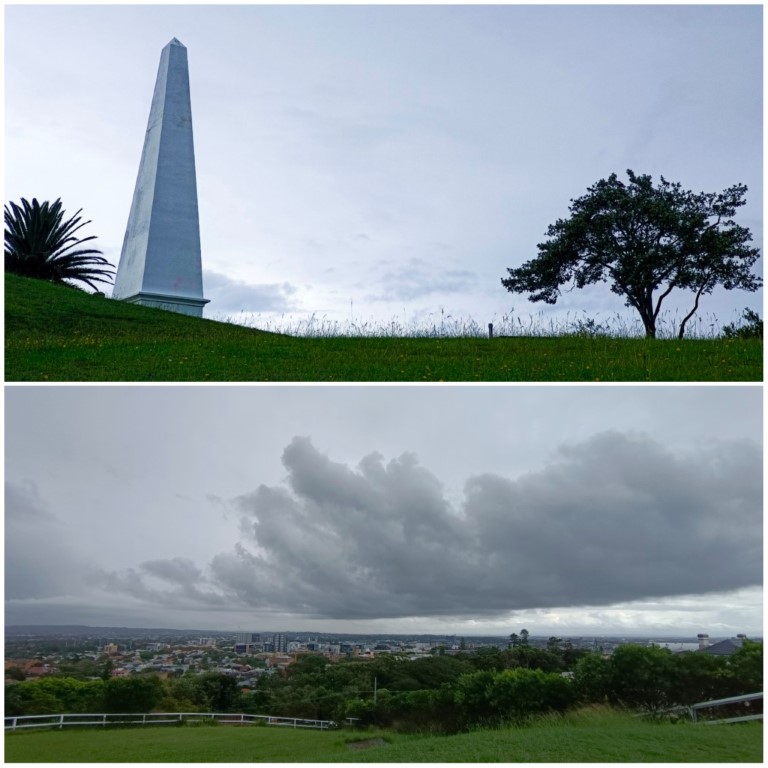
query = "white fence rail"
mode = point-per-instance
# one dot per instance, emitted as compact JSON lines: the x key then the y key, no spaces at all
{"x":694,"y":709}
{"x":159,"y":718}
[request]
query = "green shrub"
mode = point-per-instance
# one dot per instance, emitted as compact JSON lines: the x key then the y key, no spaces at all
{"x":132,"y":694}
{"x":490,"y":698}
{"x":516,"y":694}
{"x":54,"y":695}
{"x":750,"y":326}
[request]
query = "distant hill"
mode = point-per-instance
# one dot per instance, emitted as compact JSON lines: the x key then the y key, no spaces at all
{"x":81,"y":630}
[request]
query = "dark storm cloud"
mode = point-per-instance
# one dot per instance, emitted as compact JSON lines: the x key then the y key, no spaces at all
{"x":177,"y":571}
{"x":236,"y":295}
{"x":615,"y":518}
{"x":40,"y":559}
{"x":179,"y":584}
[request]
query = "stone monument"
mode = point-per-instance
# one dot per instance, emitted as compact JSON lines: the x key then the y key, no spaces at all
{"x":160,"y":263}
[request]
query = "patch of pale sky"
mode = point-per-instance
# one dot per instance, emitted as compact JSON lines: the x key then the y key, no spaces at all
{"x":338,"y":146}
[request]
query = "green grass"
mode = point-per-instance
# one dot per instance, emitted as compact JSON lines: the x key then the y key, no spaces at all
{"x":602,"y":737}
{"x":55,"y":333}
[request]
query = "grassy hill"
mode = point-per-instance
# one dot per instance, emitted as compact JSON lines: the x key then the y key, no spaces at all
{"x":603,"y":737}
{"x":56,"y":333}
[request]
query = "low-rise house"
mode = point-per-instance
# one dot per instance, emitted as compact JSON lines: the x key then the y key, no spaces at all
{"x":120,"y":673}
{"x":724,"y":647}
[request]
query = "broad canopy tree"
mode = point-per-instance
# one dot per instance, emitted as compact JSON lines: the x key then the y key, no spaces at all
{"x":645,"y":240}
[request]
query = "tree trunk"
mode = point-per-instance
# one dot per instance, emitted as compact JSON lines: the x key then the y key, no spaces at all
{"x":644,"y":306}
{"x":649,"y":323}
{"x":681,"y":332}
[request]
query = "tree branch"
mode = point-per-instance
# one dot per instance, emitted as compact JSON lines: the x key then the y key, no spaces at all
{"x":660,"y":299}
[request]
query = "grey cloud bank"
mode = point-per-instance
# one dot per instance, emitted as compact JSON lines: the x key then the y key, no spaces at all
{"x":238,"y":295}
{"x":569,"y":508}
{"x":616,"y":519}
{"x":41,"y":559}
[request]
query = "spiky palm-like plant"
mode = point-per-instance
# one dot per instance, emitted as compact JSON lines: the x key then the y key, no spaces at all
{"x":39,"y":243}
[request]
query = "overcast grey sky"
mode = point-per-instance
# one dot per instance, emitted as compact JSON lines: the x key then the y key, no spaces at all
{"x":387,"y":162}
{"x":462,"y":509}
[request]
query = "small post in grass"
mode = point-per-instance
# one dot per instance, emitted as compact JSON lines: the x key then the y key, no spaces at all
{"x":490,"y":330}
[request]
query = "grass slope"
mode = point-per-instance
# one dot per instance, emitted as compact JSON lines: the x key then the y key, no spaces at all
{"x":55,"y":333}
{"x":598,"y":739}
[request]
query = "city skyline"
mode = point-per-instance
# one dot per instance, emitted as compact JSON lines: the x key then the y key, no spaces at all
{"x":460,"y":510}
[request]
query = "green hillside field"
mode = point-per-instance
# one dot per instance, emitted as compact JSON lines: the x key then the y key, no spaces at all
{"x":57,"y":333}
{"x":601,"y":738}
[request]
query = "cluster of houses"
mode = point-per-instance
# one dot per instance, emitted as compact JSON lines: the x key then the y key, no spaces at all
{"x":252,"y":655}
{"x":249,"y":658}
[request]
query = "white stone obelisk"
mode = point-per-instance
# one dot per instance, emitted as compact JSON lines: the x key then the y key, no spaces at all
{"x":160,"y":263}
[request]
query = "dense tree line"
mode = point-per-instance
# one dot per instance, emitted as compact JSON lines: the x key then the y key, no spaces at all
{"x":439,"y":693}
{"x":208,"y":692}
{"x":654,"y":679}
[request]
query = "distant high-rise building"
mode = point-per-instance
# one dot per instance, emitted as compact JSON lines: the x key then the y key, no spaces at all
{"x":280,"y":643}
{"x":247,"y":642}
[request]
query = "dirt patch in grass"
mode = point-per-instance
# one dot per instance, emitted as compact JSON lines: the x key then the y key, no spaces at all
{"x":367,"y":743}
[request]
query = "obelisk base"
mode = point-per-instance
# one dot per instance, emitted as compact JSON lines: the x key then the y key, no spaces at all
{"x":182,"y":304}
